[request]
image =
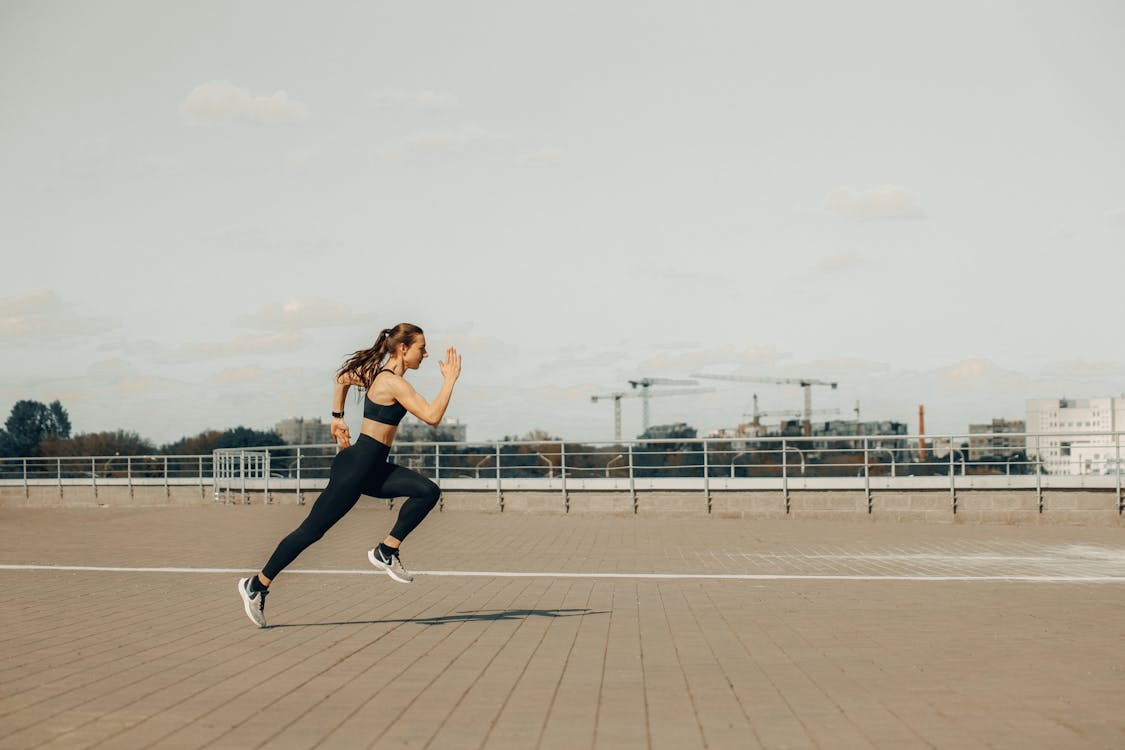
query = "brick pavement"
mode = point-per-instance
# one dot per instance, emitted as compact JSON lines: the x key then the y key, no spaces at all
{"x":854,"y":635}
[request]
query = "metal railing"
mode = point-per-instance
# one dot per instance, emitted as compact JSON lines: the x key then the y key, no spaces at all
{"x":99,"y":471}
{"x":868,"y":462}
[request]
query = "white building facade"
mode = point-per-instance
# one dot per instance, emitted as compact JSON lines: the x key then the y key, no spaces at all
{"x":1077,"y":435}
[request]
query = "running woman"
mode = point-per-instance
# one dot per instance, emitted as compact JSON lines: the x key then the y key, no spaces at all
{"x":363,"y":469}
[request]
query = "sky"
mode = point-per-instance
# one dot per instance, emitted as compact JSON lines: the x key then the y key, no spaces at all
{"x":205,"y":207}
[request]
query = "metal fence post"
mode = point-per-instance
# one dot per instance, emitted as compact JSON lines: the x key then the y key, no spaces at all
{"x":94,"y":476}
{"x":562,"y":473}
{"x":706,"y":478}
{"x":1117,"y":470}
{"x":785,"y":474}
{"x":499,"y":494}
{"x":952,"y":479}
{"x":266,"y":474}
{"x":867,"y":474}
{"x":214,"y":477}
{"x":27,"y":490}
{"x":1038,"y":474}
{"x":300,"y":497}
{"x":242,"y":471}
{"x":58,"y":470}
{"x":129,"y":473}
{"x":167,"y":489}
{"x":437,"y":461}
{"x":632,"y":480}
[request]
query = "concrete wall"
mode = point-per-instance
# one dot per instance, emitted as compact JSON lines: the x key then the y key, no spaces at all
{"x":1002,"y":506}
{"x":89,"y":496}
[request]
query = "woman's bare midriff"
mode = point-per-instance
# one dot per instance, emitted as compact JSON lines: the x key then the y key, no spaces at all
{"x":384,"y":433}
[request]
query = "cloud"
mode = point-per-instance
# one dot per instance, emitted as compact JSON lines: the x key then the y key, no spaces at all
{"x":599,"y":360}
{"x":163,"y":164}
{"x":843,"y":263}
{"x":972,"y":369}
{"x":1064,"y":232}
{"x":134,"y":385}
{"x":685,"y":273}
{"x":1116,"y":216}
{"x":110,"y":367}
{"x":416,"y":99}
{"x":717,"y":360}
{"x":222,"y":101}
{"x":886,"y":202}
{"x":850,"y":365}
{"x":305,"y":312}
{"x":42,"y":313}
{"x":1081,"y":368}
{"x":30,"y":303}
{"x":267,"y":343}
{"x":240,"y":375}
{"x":543,"y":157}
{"x":252,"y":344}
{"x":457,"y":140}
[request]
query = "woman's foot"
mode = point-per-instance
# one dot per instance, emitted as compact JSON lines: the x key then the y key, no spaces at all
{"x":253,"y":601}
{"x":389,"y":563}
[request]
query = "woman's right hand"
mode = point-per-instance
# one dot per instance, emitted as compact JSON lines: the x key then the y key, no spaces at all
{"x":340,"y":432}
{"x":451,"y":365}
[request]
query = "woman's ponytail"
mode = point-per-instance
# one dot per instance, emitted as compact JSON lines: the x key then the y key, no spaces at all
{"x":365,"y":364}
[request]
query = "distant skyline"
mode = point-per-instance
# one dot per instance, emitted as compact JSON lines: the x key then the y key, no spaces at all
{"x":206,"y":206}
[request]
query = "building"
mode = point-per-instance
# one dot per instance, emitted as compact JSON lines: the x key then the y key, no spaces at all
{"x":301,"y":431}
{"x":744,"y":430}
{"x":1077,"y":436}
{"x":880,"y":434}
{"x":991,"y":440}
{"x":414,"y":430}
{"x":676,"y":431}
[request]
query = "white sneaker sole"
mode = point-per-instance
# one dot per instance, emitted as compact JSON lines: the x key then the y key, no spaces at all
{"x":386,"y":568}
{"x":248,"y":604}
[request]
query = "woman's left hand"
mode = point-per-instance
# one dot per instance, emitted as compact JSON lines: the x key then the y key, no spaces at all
{"x":340,"y":432}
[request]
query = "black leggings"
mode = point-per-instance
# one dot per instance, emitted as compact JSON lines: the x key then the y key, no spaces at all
{"x":361,"y":469}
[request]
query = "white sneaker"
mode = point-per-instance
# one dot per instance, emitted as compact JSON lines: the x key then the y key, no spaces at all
{"x":254,"y":602}
{"x":392,"y":566}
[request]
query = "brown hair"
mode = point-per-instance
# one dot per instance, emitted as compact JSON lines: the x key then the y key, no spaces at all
{"x":365,"y":364}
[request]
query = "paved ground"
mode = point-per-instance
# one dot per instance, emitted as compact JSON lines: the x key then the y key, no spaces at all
{"x":787,"y":634}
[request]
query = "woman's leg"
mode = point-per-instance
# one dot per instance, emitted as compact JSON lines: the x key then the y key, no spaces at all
{"x":421,"y":496}
{"x":349,"y":471}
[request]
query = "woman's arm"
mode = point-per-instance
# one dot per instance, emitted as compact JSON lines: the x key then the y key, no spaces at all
{"x":430,"y":412}
{"x":339,"y":428}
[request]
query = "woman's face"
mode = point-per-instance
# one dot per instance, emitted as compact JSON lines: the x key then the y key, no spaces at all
{"x":415,"y":353}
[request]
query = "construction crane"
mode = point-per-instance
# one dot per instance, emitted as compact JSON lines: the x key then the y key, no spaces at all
{"x":618,"y":395}
{"x":757,"y":415}
{"x":805,"y":383}
{"x":645,"y":383}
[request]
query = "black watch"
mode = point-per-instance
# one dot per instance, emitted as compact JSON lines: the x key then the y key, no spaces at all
{"x":337,"y":415}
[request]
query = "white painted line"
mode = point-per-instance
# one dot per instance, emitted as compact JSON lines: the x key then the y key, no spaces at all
{"x":629,"y":576}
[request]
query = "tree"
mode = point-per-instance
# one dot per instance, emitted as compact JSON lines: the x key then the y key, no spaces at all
{"x":197,"y":445}
{"x":675,"y":431}
{"x":108,"y":443}
{"x":209,"y":440}
{"x":244,"y":437}
{"x":30,"y":423}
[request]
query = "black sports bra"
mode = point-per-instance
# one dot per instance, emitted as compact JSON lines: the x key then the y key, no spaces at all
{"x":390,"y":414}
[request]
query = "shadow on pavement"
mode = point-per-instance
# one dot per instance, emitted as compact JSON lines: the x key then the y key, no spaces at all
{"x":480,"y":615}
